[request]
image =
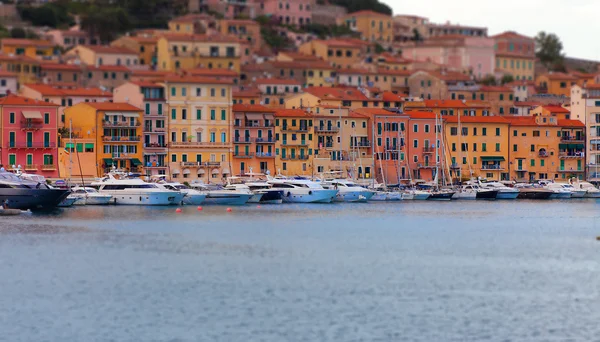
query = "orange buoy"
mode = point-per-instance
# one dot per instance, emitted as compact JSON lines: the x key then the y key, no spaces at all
{"x":228,"y":210}
{"x":178,"y":210}
{"x":199,"y":208}
{"x":258,"y":206}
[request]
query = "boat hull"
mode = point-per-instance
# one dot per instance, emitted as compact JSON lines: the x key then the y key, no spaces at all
{"x":592,"y":195}
{"x":227,"y":199}
{"x":312,"y":196}
{"x":487,"y":194}
{"x":464,"y":196}
{"x":353,"y":196}
{"x":560,"y":195}
{"x":195,"y":199}
{"x":507,"y":195}
{"x":534,"y":195}
{"x":440,"y":196}
{"x":68,"y":202}
{"x":255,"y":198}
{"x":34,"y":199}
{"x":386,"y":196}
{"x":271,"y":197}
{"x":138,"y":198}
{"x":97,"y":200}
{"x":578,"y":194}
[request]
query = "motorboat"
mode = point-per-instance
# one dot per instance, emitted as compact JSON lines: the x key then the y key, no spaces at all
{"x":386,"y":196}
{"x":575,"y":192}
{"x":472,"y":191}
{"x":191,"y":196}
{"x":302,"y":190}
{"x":257,"y":184}
{"x":69,"y":201}
{"x":22,"y":193}
{"x":415,"y":195}
{"x":243,"y":188}
{"x":504,"y":192}
{"x":129,"y":189}
{"x":528,"y":191}
{"x":441,"y":195}
{"x":89,"y":196}
{"x":217,"y":194}
{"x":559,"y":191}
{"x":348,"y":191}
{"x":160,"y":181}
{"x":590,"y":190}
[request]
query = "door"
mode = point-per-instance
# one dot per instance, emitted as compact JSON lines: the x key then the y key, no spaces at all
{"x":562,"y":165}
{"x":520,"y":164}
{"x":236,"y":150}
{"x":29,"y":139}
{"x":48,"y":159}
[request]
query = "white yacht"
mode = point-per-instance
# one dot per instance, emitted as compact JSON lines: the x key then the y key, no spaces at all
{"x":559,"y":192}
{"x":504,"y":192}
{"x":256,"y":183}
{"x":575,"y":192}
{"x":386,"y":196}
{"x":244,"y":188}
{"x":160,"y":181}
{"x":68,"y":202}
{"x":128,"y":190}
{"x":471,"y":191}
{"x":89,"y":196}
{"x":590,"y":190}
{"x":216,"y":194}
{"x":301,"y":190}
{"x":415,"y":195}
{"x":348,"y":191}
{"x":191,"y":196}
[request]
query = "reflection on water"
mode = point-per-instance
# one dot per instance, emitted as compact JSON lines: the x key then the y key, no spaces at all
{"x":411,"y":271}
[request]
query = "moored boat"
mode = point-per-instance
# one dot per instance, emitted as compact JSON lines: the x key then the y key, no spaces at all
{"x":528,"y":191}
{"x":302,"y":190}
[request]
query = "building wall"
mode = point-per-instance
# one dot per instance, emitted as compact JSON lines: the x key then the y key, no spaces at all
{"x":295,"y":144}
{"x":288,"y":12}
{"x":519,"y":68}
{"x":253,"y":143}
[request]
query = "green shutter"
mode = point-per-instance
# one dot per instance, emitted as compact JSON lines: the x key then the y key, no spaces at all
{"x":223,"y":114}
{"x":12,"y":159}
{"x":79,"y":147}
{"x":173,"y":114}
{"x":198,"y":114}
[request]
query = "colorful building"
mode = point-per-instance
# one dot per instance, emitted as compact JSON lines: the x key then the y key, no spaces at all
{"x":244,"y":30}
{"x":102,"y":55}
{"x":29,"y":135}
{"x":585,"y":107}
{"x":556,"y":83}
{"x":144,"y":45}
{"x":104,"y":135}
{"x":67,"y":74}
{"x":332,"y":96}
{"x":151,"y":97}
{"x":477,"y":147}
{"x":254,"y":139}
{"x":557,"y":111}
{"x":420,"y":158}
{"x":339,"y":53}
{"x":294,"y":142}
{"x":200,"y":128}
{"x":515,"y":55}
{"x":189,"y":51}
{"x":8,"y":83}
{"x":27,"y":47}
{"x":371,"y":25}
{"x":287,"y":12}
{"x":438,"y":85}
{"x":26,"y":68}
{"x":274,"y":91}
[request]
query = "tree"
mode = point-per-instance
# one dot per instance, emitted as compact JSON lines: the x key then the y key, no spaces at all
{"x":507,"y":79}
{"x":489,"y":80}
{"x":417,"y":36}
{"x":359,"y":5}
{"x":106,"y":22}
{"x":379,"y":49}
{"x":18,"y":32}
{"x":548,"y":48}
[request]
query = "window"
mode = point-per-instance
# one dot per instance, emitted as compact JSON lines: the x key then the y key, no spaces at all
{"x":223,"y":137}
{"x":532,"y":161}
{"x":223,"y":92}
{"x":536,"y":133}
{"x":532,"y":148}
{"x":474,"y":147}
{"x":213,"y":114}
{"x":174,"y":158}
{"x":223,"y":114}
{"x":497,"y":132}
{"x":453,"y":147}
{"x":484,"y":131}
{"x":212,"y":92}
{"x":426,"y":128}
{"x":198,"y":114}
{"x":47,"y":118}
{"x":12,"y":118}
{"x":497,"y":147}
{"x":184,"y":91}
{"x":415,"y":128}
{"x":542,"y":162}
{"x":173,"y":91}
{"x":515,"y":147}
{"x":147,"y":108}
{"x":173,"y":114}
{"x":184,"y":114}
{"x":483,"y":147}
{"x":474,"y":131}
{"x":453,"y":131}
{"x":515,"y":133}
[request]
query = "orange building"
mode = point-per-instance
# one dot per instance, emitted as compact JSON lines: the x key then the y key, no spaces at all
{"x":556,"y":83}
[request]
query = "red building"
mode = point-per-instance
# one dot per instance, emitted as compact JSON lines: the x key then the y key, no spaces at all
{"x":29,"y":135}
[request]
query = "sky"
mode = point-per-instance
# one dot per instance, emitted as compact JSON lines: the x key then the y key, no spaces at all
{"x":572,"y":21}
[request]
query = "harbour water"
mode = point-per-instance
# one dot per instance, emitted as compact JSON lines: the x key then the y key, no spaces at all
{"x":409,"y":271}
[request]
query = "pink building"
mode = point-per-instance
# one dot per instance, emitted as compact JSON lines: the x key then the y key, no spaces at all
{"x":29,"y":135}
{"x":70,"y":38}
{"x":298,"y":12}
{"x":473,"y":54}
{"x":151,"y":97}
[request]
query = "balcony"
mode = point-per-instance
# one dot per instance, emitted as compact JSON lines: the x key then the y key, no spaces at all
{"x":253,"y":125}
{"x":455,"y":166}
{"x":492,"y":167}
{"x":191,"y":164}
{"x":305,"y":157}
{"x":124,"y":155}
{"x":573,"y":140}
{"x":121,"y":139}
{"x":426,"y":166}
{"x":543,"y":155}
{"x":48,"y":167}
{"x":294,"y":143}
{"x":150,"y":130}
{"x":326,"y":129}
{"x":31,"y":167}
{"x":295,"y":129}
{"x":153,"y":146}
{"x":13,"y":144}
{"x":427,"y":149}
{"x":189,"y":144}
{"x":243,"y":155}
{"x":265,"y":155}
{"x":270,"y":140}
{"x":570,"y":170}
{"x":242,"y":140}
{"x":571,"y":155}
{"x":27,"y":125}
{"x":361,"y":144}
{"x":121,"y":124}
{"x":155,"y":167}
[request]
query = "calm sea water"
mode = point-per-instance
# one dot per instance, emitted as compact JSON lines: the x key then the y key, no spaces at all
{"x":410,"y":271}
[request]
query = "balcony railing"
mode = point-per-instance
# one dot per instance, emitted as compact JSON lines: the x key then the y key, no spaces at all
{"x":121,"y":124}
{"x":121,"y":139}
{"x":360,"y":144}
{"x":543,"y":155}
{"x":119,"y":155}
{"x":148,"y":129}
{"x":31,"y":125}
{"x":295,"y":129}
{"x":428,"y":149}
{"x":265,"y":155}
{"x":31,"y":167}
{"x":243,"y":155}
{"x":194,"y":144}
{"x":492,"y":167}
{"x":571,"y":155}
{"x":425,"y":165}
{"x":155,"y":145}
{"x":48,"y":167}
{"x":294,"y":142}
{"x":242,"y":140}
{"x":253,"y":125}
{"x":563,"y":169}
{"x":13,"y":144}
{"x":326,"y":129}
{"x":295,"y":157}
{"x":270,"y":140}
{"x":574,"y":139}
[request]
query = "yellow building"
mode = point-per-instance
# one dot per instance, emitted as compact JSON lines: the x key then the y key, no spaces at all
{"x":245,"y":30}
{"x":100,"y":55}
{"x":27,"y":68}
{"x":295,"y":142}
{"x":332,"y":96}
{"x":145,"y":46}
{"x":27,"y":47}
{"x":200,"y":128}
{"x":182,"y":51}
{"x":556,"y":83}
{"x":372,"y":26}
{"x":477,"y":147}
{"x":515,"y":55}
{"x":109,"y":135}
{"x":192,"y":23}
{"x":339,"y":53}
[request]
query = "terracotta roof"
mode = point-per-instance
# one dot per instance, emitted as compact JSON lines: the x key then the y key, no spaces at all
{"x":195,"y":79}
{"x":297,"y":56}
{"x":527,"y":104}
{"x":511,"y":34}
{"x":521,"y":55}
{"x":4,"y":73}
{"x":190,"y":18}
{"x":252,"y":108}
{"x":49,"y":90}
{"x":368,"y":13}
{"x":116,"y":50}
{"x":394,"y":72}
{"x":20,"y":58}
{"x":291,"y":113}
{"x":60,"y":66}
{"x":444,"y":104}
{"x":300,"y":65}
{"x":356,"y":71}
{"x":283,"y":81}
{"x":388,"y":96}
{"x":146,"y":84}
{"x":19,"y":41}
{"x":143,"y":39}
{"x":521,"y":120}
{"x":477,"y":104}
{"x":560,"y":76}
{"x":420,"y":114}
{"x":14,"y":100}
{"x":246,"y":93}
{"x":110,"y":68}
{"x":570,"y":123}
{"x":495,"y":89}
{"x":476,"y":119}
{"x":211,"y":72}
{"x":337,"y":93}
{"x":260,"y":67}
{"x":109,"y":106}
{"x":389,"y":58}
{"x":374,"y":111}
{"x":201,"y":38}
{"x":556,"y":109}
{"x":149,"y":73}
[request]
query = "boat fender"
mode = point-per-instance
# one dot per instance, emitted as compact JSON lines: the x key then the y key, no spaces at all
{"x":310,"y":193}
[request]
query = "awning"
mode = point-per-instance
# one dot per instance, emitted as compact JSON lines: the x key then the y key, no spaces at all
{"x":254,"y":116}
{"x":269,"y":116}
{"x":131,"y":115}
{"x":136,"y":162}
{"x":570,"y":146}
{"x":89,"y":145}
{"x":494,"y":159}
{"x":30,"y":114}
{"x":201,"y":171}
{"x":225,"y":171}
{"x":175,"y":172}
{"x":215,"y":171}
{"x":108,"y":162}
{"x":186,"y":171}
{"x":531,"y":173}
{"x":69,"y":145}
